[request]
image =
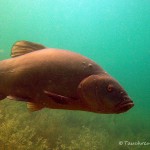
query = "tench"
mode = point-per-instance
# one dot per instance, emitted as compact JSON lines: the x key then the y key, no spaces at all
{"x":59,"y":79}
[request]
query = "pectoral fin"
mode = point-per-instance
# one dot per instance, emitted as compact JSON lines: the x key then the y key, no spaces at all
{"x":59,"y":98}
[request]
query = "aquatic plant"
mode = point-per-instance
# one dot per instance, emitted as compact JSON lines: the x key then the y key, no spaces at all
{"x":86,"y":140}
{"x":17,"y":134}
{"x":66,"y":130}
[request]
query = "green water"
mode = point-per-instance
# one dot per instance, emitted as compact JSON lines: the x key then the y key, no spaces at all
{"x":115,"y":34}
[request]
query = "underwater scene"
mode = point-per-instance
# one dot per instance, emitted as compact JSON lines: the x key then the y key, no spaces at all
{"x":113,"y":33}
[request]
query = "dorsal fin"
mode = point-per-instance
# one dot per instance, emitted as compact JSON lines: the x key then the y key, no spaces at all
{"x":24,"y":47}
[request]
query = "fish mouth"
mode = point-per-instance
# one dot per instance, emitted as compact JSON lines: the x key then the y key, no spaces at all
{"x":124,"y":106}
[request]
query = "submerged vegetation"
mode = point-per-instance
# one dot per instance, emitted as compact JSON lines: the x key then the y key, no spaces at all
{"x":66,"y":130}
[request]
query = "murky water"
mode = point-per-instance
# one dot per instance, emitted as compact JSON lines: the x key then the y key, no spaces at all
{"x":115,"y":34}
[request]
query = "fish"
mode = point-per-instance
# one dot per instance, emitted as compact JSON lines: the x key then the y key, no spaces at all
{"x":59,"y":79}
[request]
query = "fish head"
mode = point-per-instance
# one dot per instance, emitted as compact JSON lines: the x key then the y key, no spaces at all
{"x":103,"y":94}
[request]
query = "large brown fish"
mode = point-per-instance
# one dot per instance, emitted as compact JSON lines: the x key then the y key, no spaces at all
{"x":59,"y":79}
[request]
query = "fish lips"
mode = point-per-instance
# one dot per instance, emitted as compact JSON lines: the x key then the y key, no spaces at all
{"x":124,"y":106}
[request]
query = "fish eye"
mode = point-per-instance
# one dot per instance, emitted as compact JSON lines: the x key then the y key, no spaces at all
{"x":110,"y":88}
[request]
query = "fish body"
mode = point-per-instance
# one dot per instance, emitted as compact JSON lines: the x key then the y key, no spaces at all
{"x":59,"y":79}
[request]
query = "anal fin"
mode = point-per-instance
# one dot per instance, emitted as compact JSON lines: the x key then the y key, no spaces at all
{"x":34,"y":107}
